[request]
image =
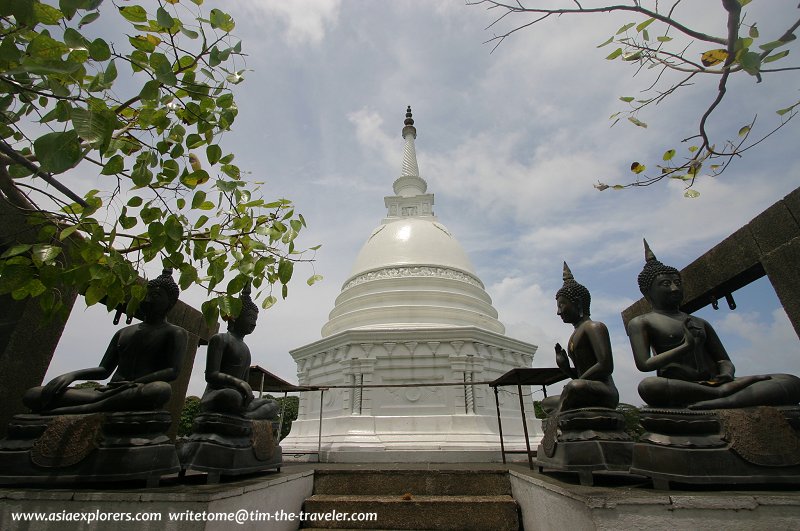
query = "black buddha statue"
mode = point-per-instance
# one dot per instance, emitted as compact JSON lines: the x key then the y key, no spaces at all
{"x":228,"y":366}
{"x":589,"y":348}
{"x":692,"y":367}
{"x":235,"y":433}
{"x":583,"y":432}
{"x":142,"y":357}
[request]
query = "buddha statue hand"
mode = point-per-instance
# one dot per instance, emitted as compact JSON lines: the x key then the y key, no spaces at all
{"x":247,"y":392}
{"x":561,"y":357}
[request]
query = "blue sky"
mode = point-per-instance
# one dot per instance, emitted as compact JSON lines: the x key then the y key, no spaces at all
{"x":511,"y":143}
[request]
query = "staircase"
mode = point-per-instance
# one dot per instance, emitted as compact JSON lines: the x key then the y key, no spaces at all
{"x":415,"y":499}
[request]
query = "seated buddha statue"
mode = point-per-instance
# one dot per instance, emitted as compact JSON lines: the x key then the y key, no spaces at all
{"x":589,"y":348}
{"x":692,"y":367}
{"x":227,"y":369}
{"x":142,"y":357}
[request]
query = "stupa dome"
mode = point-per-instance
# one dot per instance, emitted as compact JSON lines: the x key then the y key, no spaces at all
{"x":412,"y":272}
{"x":411,"y":241}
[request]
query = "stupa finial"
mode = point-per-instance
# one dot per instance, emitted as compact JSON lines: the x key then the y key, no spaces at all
{"x":410,"y":167}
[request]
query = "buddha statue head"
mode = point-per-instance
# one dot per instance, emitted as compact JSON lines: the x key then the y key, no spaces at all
{"x":245,"y":323}
{"x":661,"y":284}
{"x":573,"y":298}
{"x":162,"y":293}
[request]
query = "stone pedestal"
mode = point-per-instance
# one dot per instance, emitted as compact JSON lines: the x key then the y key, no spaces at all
{"x":230,"y":445}
{"x":98,"y":447}
{"x":585,"y":441}
{"x":745,"y":446}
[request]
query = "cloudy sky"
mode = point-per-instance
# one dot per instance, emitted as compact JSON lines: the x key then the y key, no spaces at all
{"x":511,"y":142}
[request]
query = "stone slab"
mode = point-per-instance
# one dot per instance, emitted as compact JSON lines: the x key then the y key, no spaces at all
{"x":549,"y":504}
{"x":268,"y":493}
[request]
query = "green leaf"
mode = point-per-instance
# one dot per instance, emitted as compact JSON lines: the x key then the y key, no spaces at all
{"x":188,"y":276}
{"x":115,"y":165}
{"x":162,"y":68}
{"x":210,"y":311}
{"x":663,"y":39}
{"x":668,"y":154}
{"x":94,"y":127}
{"x":781,"y":112}
{"x":94,"y":293}
{"x":626,"y":27}
{"x":202,"y":220}
{"x":744,"y":130}
{"x":637,"y":122}
{"x":285,"y":270}
{"x":768,"y":47}
{"x":213,"y":153}
{"x":644,"y":24}
{"x":44,"y":253}
{"x":16,"y":250}
{"x":135,"y":201}
{"x":35,"y":287}
{"x":88,"y":19}
{"x":164,"y":19}
{"x":150,"y":90}
{"x":67,"y":232}
{"x":45,"y":47}
{"x":779,"y":55}
{"x":609,"y":41}
{"x":111,"y":72}
{"x":269,"y":302}
{"x":189,"y":33}
{"x":99,"y":50}
{"x":236,"y":284}
{"x":613,"y":55}
{"x":174,"y":229}
{"x":751,"y":63}
{"x":198,"y":199}
{"x":753,"y":31}
{"x":195,"y":178}
{"x":229,"y":306}
{"x":231,"y":171}
{"x":691,"y":194}
{"x":313,"y":279}
{"x":626,"y":99}
{"x":57,"y":152}
{"x":47,"y":15}
{"x":135,"y":14}
{"x":221,"y":20}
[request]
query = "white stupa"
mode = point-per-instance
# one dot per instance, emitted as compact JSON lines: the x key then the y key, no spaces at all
{"x":413,"y":310}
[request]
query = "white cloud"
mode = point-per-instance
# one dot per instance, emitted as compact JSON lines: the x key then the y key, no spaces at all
{"x":760,"y":344}
{"x":303,"y":21}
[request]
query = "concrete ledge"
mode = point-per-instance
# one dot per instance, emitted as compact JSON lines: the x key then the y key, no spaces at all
{"x":266,"y":494}
{"x":547,"y":503}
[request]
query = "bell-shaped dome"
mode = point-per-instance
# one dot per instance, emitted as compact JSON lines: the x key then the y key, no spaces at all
{"x":407,"y":241}
{"x":412,"y":272}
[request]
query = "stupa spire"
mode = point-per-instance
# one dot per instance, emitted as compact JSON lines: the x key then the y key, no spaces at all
{"x":410,"y":168}
{"x":411,"y":198}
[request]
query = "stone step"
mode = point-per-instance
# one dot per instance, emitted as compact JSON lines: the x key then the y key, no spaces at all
{"x":499,"y":513}
{"x":416,"y":482}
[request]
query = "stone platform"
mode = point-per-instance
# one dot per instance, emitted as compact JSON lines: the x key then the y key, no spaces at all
{"x":545,"y":502}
